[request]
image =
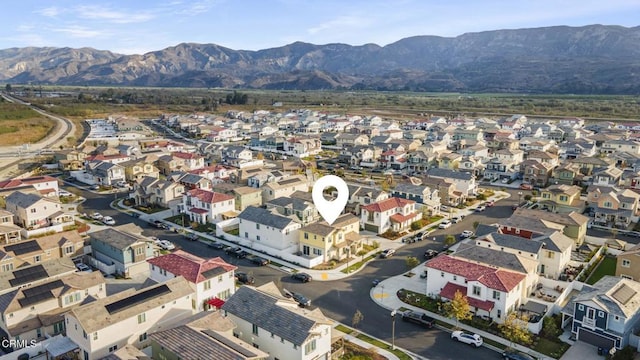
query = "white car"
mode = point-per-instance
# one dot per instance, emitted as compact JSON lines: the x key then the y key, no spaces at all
{"x":83,"y":267}
{"x":96,"y":216}
{"x":481,"y":208}
{"x":467,"y":338}
{"x":504,"y":180}
{"x":444,"y":208}
{"x":108,"y":220}
{"x":466,"y":234}
{"x":445,"y":224}
{"x":166,"y":245}
{"x":64,"y":193}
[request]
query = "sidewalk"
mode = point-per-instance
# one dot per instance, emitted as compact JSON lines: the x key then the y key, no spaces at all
{"x":385,"y":295}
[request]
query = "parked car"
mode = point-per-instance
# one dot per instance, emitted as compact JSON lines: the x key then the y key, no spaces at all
{"x":419,"y":236}
{"x":83,"y":267}
{"x":387,"y":253}
{"x":430,"y":254}
{"x":241,"y":254}
{"x":444,"y":208}
{"x":504,"y":180}
{"x":445,"y":224}
{"x":481,"y":208}
{"x":231,"y":250}
{"x":122,"y":184}
{"x":301,"y":300}
{"x":516,"y":355}
{"x":64,"y":193}
{"x":419,"y":318}
{"x":302,"y":277}
{"x":244,"y":278}
{"x":95,"y":187}
{"x":166,"y":245}
{"x":192,"y":236}
{"x":108,"y":220}
{"x":526,"y":186}
{"x":457,"y":219}
{"x":134,"y":214}
{"x":96,"y":216}
{"x":466,"y":234}
{"x":490,"y":203}
{"x":216,"y":245}
{"x":467,"y":338}
{"x":159,"y":224}
{"x":258,"y":260}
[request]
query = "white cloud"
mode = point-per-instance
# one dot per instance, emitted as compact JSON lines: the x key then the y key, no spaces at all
{"x":79,"y":32}
{"x":49,"y":12}
{"x":195,"y":8}
{"x":96,"y":12}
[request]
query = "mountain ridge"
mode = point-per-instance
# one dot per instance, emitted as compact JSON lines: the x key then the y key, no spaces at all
{"x":560,"y":59}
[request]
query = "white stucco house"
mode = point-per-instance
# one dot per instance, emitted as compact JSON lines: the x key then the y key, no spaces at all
{"x":268,"y":228}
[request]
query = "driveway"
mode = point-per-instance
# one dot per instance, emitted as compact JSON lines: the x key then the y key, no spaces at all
{"x":583,"y":351}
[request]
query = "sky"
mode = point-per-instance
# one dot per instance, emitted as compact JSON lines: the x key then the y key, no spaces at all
{"x":140,"y":26}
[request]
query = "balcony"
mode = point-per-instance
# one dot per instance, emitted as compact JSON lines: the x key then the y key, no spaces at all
{"x":588,"y":322}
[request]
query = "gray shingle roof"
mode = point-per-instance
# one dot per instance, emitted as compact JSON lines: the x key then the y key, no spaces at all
{"x":262,"y":310}
{"x":23,"y":200}
{"x":515,"y":242}
{"x":490,"y":256}
{"x":446,"y":173}
{"x":119,"y":240}
{"x":264,"y":217}
{"x":603,"y":292}
{"x":409,"y":188}
{"x":295,"y":203}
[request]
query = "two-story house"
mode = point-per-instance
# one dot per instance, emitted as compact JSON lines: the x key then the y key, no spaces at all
{"x":395,"y":214}
{"x":628,"y":263}
{"x":114,"y":250}
{"x":153,"y":191}
{"x":105,"y":325}
{"x":205,"y":206}
{"x":561,"y":198}
{"x":40,"y":249}
{"x":37,"y":312}
{"x":213,"y":278}
{"x":9,"y":231}
{"x":139,"y":168}
{"x":529,"y":223}
{"x":44,"y":185}
{"x":103,"y":173}
{"x":244,"y":196}
{"x":284,"y":187}
{"x":465,"y":182}
{"x":609,"y":176}
{"x":613,"y":207}
{"x":491,"y":292}
{"x":277,"y":325}
{"x":606,"y":313}
{"x":33,"y":211}
{"x":268,"y":228}
{"x":536,"y":173}
{"x":304,"y":209}
{"x":422,"y":194}
{"x":337,"y":241}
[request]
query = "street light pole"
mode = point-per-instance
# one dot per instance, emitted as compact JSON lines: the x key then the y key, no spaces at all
{"x":519,"y":197}
{"x":393,"y":329}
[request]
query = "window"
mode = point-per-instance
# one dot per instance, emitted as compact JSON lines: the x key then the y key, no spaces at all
{"x":616,"y":318}
{"x":282,"y":340}
{"x":496,"y":295}
{"x":257,"y":226}
{"x":563,"y":197}
{"x":207,"y":285}
{"x":68,"y":250}
{"x":310,"y":347}
{"x":220,"y":278}
{"x":455,"y":277}
{"x":258,"y":237}
{"x":113,"y":348}
{"x":95,"y":336}
{"x":580,"y":307}
{"x":499,"y":314}
{"x":139,"y":251}
{"x":601,"y":314}
{"x":306,"y":236}
{"x":142,"y":337}
{"x":37,"y":259}
{"x":441,"y":274}
{"x":7,"y":267}
{"x":142,"y":318}
{"x":476,"y":290}
{"x":550,"y":254}
{"x":626,"y":263}
{"x":255,"y":329}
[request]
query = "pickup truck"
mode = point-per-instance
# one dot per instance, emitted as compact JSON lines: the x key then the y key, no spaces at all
{"x":418,"y":318}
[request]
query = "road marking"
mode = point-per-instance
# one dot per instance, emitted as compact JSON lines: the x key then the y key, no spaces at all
{"x":324,"y":276}
{"x":381,"y":296}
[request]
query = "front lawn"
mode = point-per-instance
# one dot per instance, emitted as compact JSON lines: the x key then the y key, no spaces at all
{"x":607,"y":266}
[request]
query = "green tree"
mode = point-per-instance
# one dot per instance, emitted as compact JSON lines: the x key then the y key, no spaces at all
{"x":514,"y":328}
{"x":549,"y":327}
{"x":458,"y":308}
{"x":8,"y":87}
{"x":416,"y":225}
{"x":449,"y":240}
{"x":357,"y":319}
{"x":411,"y":262}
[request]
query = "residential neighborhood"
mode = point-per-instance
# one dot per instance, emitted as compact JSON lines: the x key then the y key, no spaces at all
{"x":193,"y":235}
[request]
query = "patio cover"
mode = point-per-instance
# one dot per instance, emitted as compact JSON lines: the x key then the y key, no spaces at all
{"x":534,"y":307}
{"x":60,"y":346}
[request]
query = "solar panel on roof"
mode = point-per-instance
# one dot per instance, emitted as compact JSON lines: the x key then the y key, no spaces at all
{"x":36,"y":299}
{"x":213,"y":272}
{"x":29,"y":274}
{"x":623,"y":294}
{"x":33,"y":291}
{"x":229,"y":343}
{"x":24,"y":247}
{"x":137,"y":298}
{"x":288,"y":181}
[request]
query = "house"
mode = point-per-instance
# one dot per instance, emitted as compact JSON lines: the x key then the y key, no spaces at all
{"x":446,"y":190}
{"x":105,"y":325}
{"x":304,"y":209}
{"x":203,"y":336}
{"x":244,"y":196}
{"x":120,"y":252}
{"x":277,"y":325}
{"x":31,"y":275}
{"x":422,"y":194}
{"x":190,"y":181}
{"x":43,"y":185}
{"x":337,"y":241}
{"x":269,"y":228}
{"x":609,"y":176}
{"x":33,"y":313}
{"x":567,"y":174}
{"x":203,"y":206}
{"x":33,"y":211}
{"x":40,"y":249}
{"x":561,"y":199}
{"x":284,"y":187}
{"x":620,"y":145}
{"x":628,"y":263}
{"x":138,"y":169}
{"x":152,"y":191}
{"x":213,"y":278}
{"x":395,"y":214}
{"x":491,"y":291}
{"x":464,"y":182}
{"x":536,"y":173}
{"x":606,"y":313}
{"x":345,"y":139}
{"x":9,"y":231}
{"x":613,"y":207}
{"x":103,"y":173}
{"x":529,"y":223}
{"x":302,"y":147}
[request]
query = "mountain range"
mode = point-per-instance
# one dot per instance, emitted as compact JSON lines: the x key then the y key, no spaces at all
{"x":593,"y":59}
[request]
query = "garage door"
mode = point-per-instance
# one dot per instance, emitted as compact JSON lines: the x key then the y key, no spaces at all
{"x":595,"y":339}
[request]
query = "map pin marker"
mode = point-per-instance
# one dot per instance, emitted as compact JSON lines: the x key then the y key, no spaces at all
{"x":330,"y":210}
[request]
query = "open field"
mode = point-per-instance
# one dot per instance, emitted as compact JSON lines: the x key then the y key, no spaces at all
{"x":21,"y":125}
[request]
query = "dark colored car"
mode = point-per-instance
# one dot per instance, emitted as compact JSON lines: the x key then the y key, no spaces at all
{"x":516,"y":355}
{"x":159,"y":224}
{"x":216,"y":245}
{"x":301,"y":300}
{"x":241,"y":254}
{"x":302,"y":277}
{"x":258,"y":260}
{"x":430,"y":254}
{"x":232,"y":250}
{"x":192,"y":236}
{"x":134,"y":214}
{"x":418,"y":318}
{"x":244,"y":278}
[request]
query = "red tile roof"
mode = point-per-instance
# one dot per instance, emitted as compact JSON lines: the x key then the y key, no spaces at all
{"x":209,"y":197}
{"x":388,"y":204}
{"x":8,"y":184}
{"x":101,"y":157}
{"x":184,"y":155}
{"x":198,"y":211}
{"x":191,"y":267}
{"x":450,"y":290}
{"x":399,"y":218}
{"x":491,"y":277}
